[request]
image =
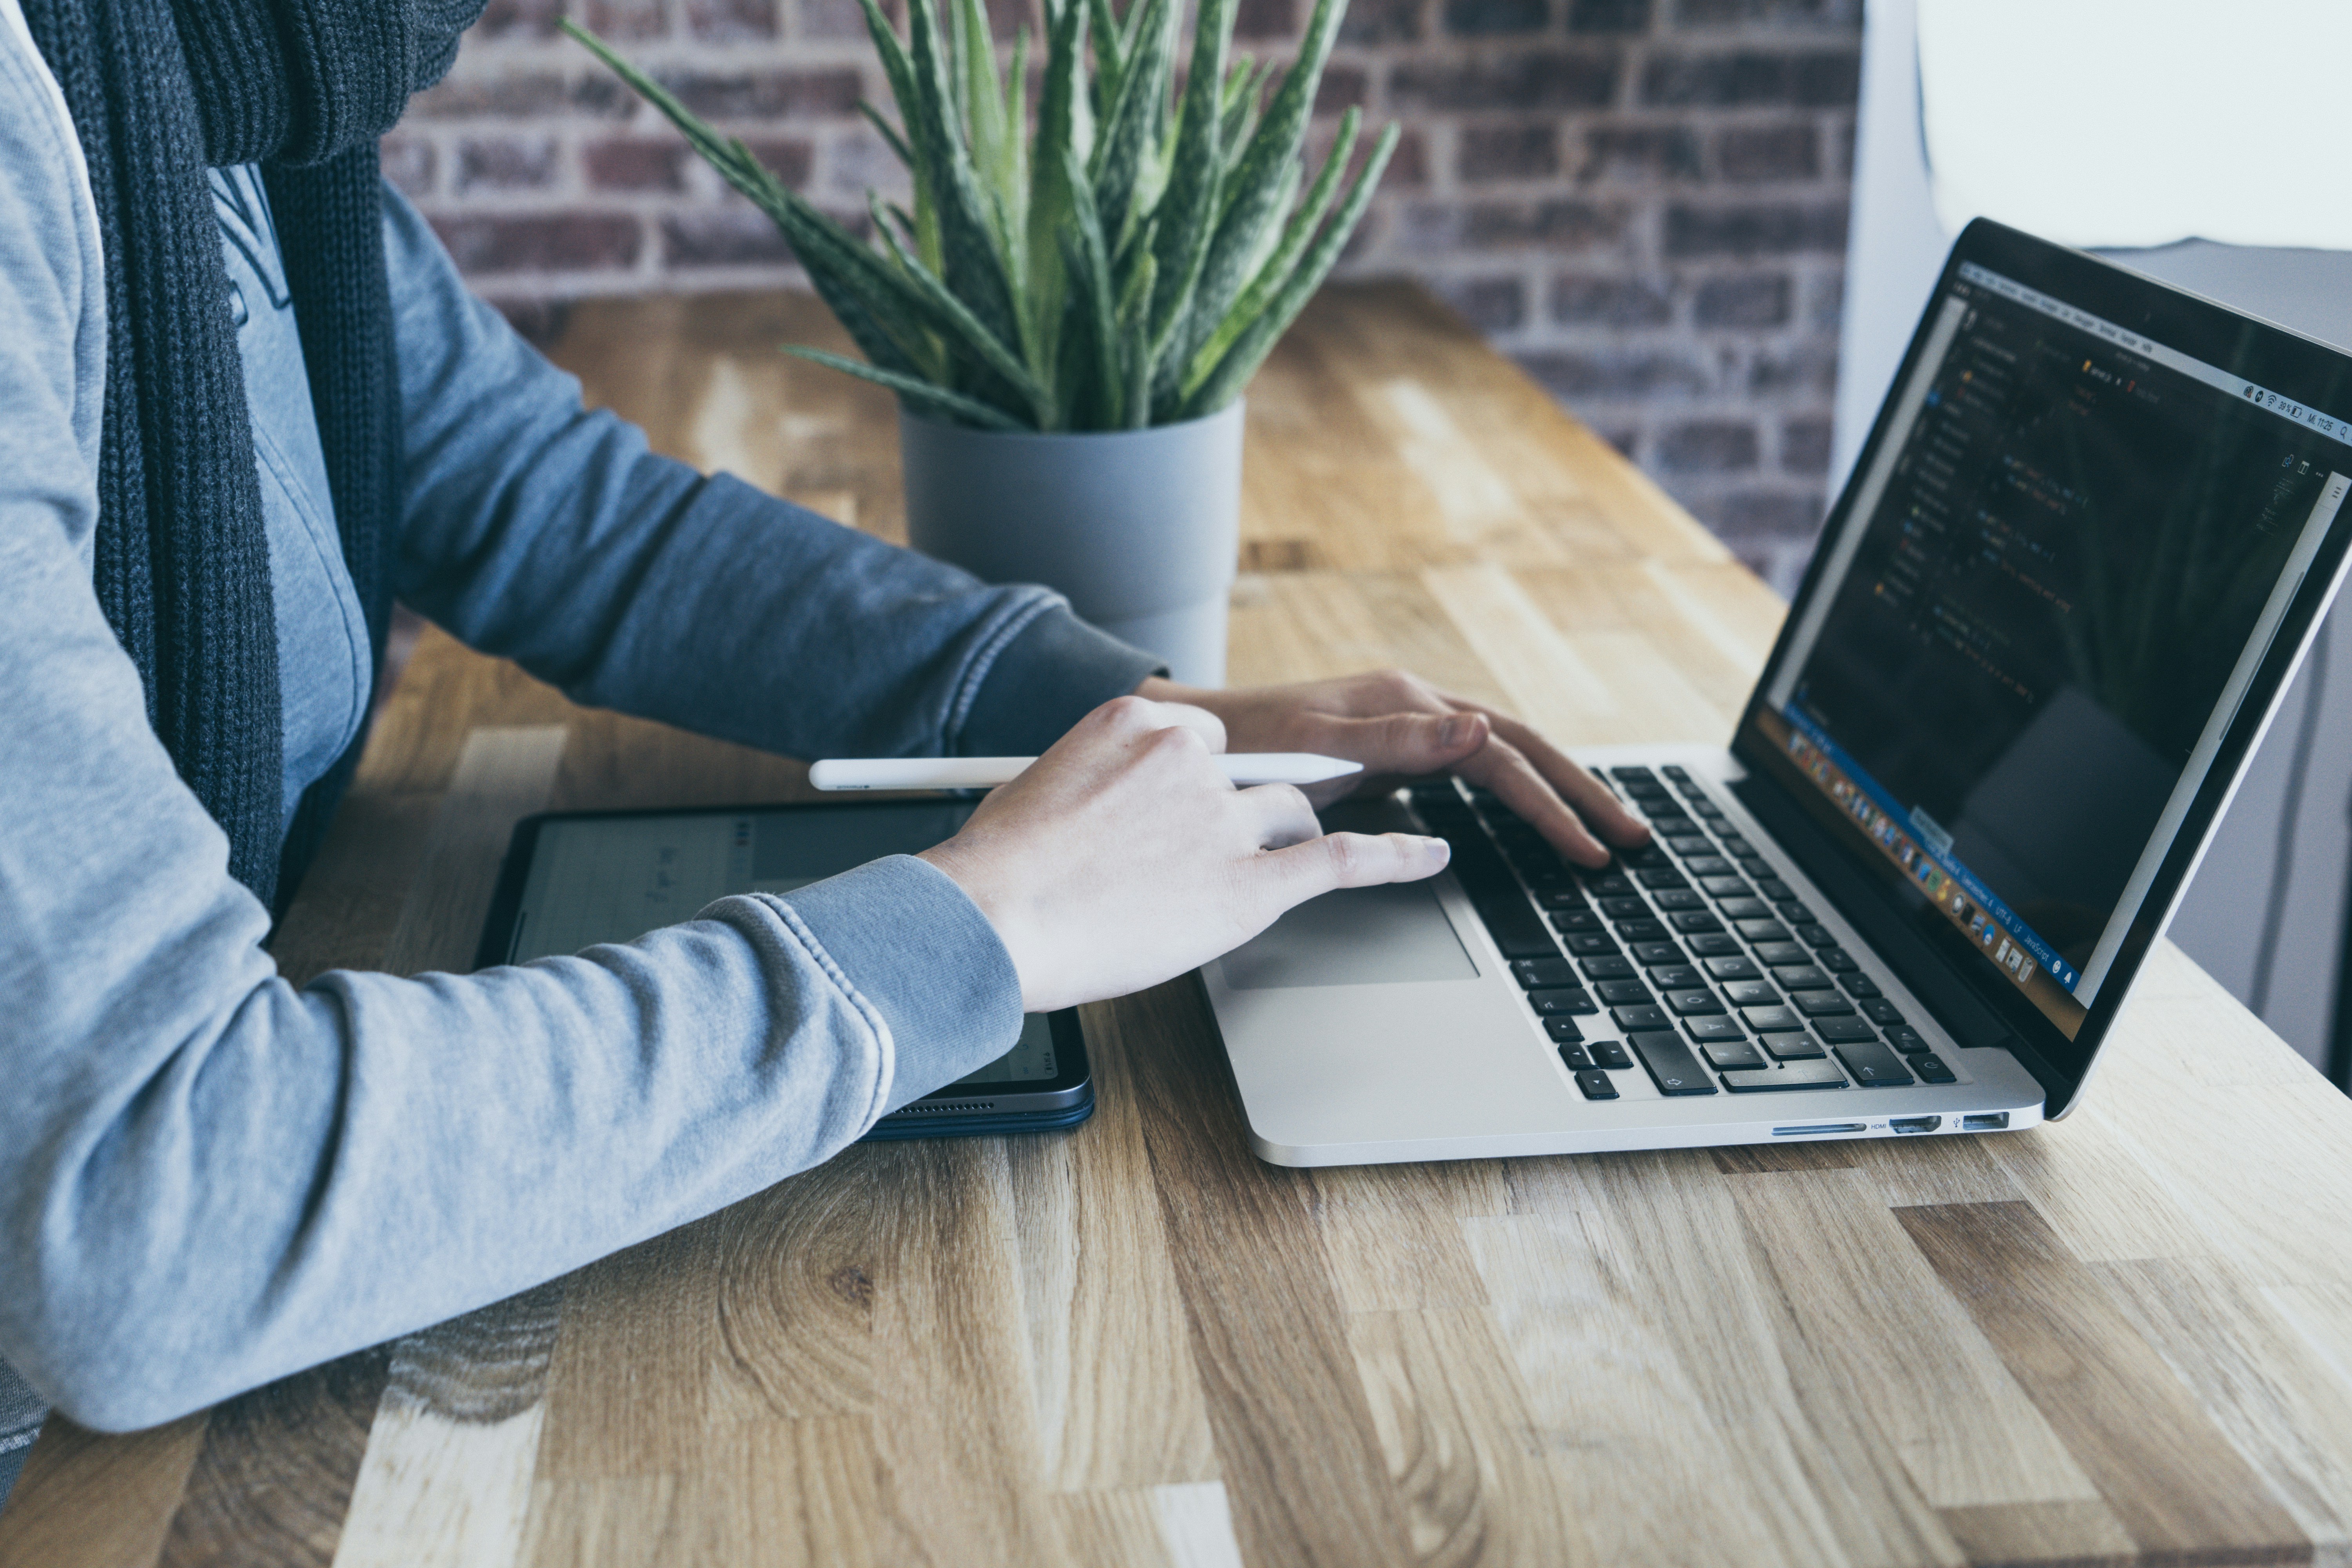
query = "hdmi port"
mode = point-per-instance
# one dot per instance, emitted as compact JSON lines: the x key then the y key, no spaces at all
{"x":1914,"y":1123}
{"x":1985,"y":1121}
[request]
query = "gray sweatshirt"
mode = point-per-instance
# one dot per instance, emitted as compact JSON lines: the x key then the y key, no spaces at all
{"x":209,"y":1178}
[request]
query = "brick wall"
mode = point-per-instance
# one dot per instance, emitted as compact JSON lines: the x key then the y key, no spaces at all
{"x":1643,"y":201}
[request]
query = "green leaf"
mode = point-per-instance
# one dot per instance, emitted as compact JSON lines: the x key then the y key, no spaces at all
{"x":922,"y":394}
{"x":1110,"y":54}
{"x":1132,"y":125}
{"x":1134,"y":308}
{"x":1241,"y":363}
{"x":971,"y":259}
{"x":1240,"y":113}
{"x":1188,"y":212}
{"x":1271,"y":270}
{"x":1089,"y":265}
{"x":953,"y":320}
{"x":1064,"y":136}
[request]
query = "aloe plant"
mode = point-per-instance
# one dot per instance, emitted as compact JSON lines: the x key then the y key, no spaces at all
{"x":1131,"y":262}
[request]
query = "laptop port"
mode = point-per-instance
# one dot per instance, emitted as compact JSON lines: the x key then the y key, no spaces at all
{"x":1914,"y":1123}
{"x":1985,"y":1121}
{"x":1820,"y":1129}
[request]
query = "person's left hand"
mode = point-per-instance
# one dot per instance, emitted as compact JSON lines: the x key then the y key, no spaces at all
{"x":1400,"y":726}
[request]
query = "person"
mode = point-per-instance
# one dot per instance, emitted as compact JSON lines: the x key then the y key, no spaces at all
{"x":245,"y":401}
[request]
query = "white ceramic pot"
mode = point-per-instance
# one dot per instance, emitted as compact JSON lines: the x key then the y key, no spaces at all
{"x":1140,"y":529}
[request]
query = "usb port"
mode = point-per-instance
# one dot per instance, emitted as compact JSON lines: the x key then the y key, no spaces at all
{"x":1985,"y":1121}
{"x":1914,"y":1123}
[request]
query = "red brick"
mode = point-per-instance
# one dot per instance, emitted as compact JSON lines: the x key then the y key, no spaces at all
{"x":1371,"y":21}
{"x":1768,"y":152}
{"x":1708,"y":446}
{"x":1772,"y":515}
{"x":560,"y":242}
{"x":1509,"y":152}
{"x":636,"y":164}
{"x":1559,"y":224}
{"x":1342,"y":88}
{"x":1639,"y":154}
{"x":1748,"y":77}
{"x":1805,"y":446}
{"x":1581,"y":300}
{"x":789,"y":158}
{"x":1808,"y":367}
{"x":619,"y":19}
{"x":1633,"y":373}
{"x":1489,"y":304}
{"x":537,"y":95}
{"x":731,"y":21}
{"x":1744,"y":299}
{"x":1767,"y":228}
{"x":1523,"y":78}
{"x":506,"y":163}
{"x":1268,"y":19}
{"x":841,"y":19}
{"x":518,"y":19}
{"x":409,"y":164}
{"x":1845,"y":14}
{"x":1495,"y":18}
{"x":768,"y":95}
{"x":1408,"y":167}
{"x":1609,"y":15}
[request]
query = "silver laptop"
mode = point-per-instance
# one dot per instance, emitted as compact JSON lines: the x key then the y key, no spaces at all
{"x":2090,"y":537}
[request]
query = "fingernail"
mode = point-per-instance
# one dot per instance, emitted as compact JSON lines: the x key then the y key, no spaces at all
{"x":1441,"y":849}
{"x":1457,"y":729}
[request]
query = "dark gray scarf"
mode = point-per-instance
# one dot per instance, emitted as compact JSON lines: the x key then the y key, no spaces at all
{"x":159,"y":90}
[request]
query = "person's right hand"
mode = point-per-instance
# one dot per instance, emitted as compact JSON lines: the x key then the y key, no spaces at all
{"x":1122,"y":858}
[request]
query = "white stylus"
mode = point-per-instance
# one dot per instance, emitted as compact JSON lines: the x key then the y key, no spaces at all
{"x":1244,"y":768}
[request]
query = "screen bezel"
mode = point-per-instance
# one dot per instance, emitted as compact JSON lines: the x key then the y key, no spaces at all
{"x":2301,"y":368}
{"x":1069,"y":1087}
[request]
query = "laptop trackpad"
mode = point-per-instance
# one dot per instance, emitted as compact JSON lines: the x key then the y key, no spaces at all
{"x":1357,"y":936}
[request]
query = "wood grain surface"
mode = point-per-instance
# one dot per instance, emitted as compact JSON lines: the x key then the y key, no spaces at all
{"x":2127,"y":1337}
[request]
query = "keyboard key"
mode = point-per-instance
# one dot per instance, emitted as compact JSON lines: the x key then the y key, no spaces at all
{"x":1777,"y":953}
{"x":1736,"y":966}
{"x":1576,"y":1057}
{"x":1860,"y":985}
{"x":1820,"y":1003}
{"x":1695,"y":921}
{"x":1873,"y":1065}
{"x":1750,"y":993}
{"x":1708,"y":809}
{"x":1713,"y":944}
{"x":1633,"y":773}
{"x":1670,"y":1064}
{"x":1882,"y":1013}
{"x":1625,"y":909}
{"x":1744,"y":910}
{"x":1722,"y":1026}
{"x":1566,"y":1002}
{"x":1580,"y":918}
{"x":1650,"y":954}
{"x":1565,"y":896}
{"x":1687,"y":844}
{"x":1611,"y":885}
{"x":1792,"y":1048}
{"x":1801,"y":977}
{"x":1843,"y":1031}
{"x":1590,"y":944}
{"x":1610,"y":1054}
{"x":1596,"y":1085}
{"x":1622,"y":992}
{"x":1632,"y":1019}
{"x":1803,"y":1075}
{"x":1677,"y":977}
{"x":1910,"y":1042}
{"x":1732,"y":1056}
{"x":1693,"y":1004}
{"x":1816,"y":936}
{"x":1795,"y":912}
{"x":1564,"y":1031}
{"x":1765,"y":1019}
{"x":1710,"y":866}
{"x":1661,"y":877}
{"x":1931,"y":1069}
{"x":1680,"y":898}
{"x":1631,"y":931}
{"x":1725,"y":887}
{"x":1676,"y":771}
{"x":1761,"y":931}
{"x":1734,"y":844}
{"x":1606,"y":968}
{"x":1836,"y":959}
{"x":1533,"y":972}
{"x":1773,"y":888}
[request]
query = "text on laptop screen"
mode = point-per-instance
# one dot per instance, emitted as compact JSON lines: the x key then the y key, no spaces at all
{"x":2058,"y":576}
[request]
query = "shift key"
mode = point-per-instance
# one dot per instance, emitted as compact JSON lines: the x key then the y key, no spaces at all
{"x":1873,"y":1065}
{"x":1669,"y":1063}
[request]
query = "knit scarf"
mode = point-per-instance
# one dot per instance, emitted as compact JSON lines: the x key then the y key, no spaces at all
{"x":159,"y":91}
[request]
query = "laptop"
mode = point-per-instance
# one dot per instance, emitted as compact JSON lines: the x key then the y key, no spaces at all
{"x":2095,"y":526}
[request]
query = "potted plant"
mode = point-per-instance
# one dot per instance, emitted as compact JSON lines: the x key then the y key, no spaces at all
{"x":1068,"y":315}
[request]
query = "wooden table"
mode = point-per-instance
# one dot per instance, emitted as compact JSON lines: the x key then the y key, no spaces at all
{"x":2124,"y":1338}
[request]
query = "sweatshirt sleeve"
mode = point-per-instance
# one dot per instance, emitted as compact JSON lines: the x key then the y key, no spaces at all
{"x":548,"y":532}
{"x":209,"y":1177}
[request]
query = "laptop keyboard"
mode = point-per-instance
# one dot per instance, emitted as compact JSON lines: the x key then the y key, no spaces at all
{"x":1690,"y":961}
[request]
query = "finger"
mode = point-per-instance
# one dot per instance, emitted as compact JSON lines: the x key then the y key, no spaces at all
{"x":1133,"y":716}
{"x":1407,"y":743}
{"x":1503,"y":769}
{"x":1594,"y":801}
{"x":1279,"y":814}
{"x":1199,"y":721}
{"x":1356,"y":861}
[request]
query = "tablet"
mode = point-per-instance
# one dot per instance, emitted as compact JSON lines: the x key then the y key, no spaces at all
{"x":572,"y":879}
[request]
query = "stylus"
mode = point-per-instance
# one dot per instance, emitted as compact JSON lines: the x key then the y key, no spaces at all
{"x":1244,"y":768}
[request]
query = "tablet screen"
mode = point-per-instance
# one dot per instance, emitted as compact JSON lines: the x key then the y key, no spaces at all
{"x":610,"y":878}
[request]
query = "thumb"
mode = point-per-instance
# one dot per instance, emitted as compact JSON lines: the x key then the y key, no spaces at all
{"x":1354,"y":860}
{"x":1404,"y":743}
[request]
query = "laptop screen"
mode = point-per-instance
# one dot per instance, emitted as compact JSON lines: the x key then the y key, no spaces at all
{"x":2058,"y":577}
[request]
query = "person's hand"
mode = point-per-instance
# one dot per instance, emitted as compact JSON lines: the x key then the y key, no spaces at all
{"x":1123,"y":857}
{"x":1398,"y":726}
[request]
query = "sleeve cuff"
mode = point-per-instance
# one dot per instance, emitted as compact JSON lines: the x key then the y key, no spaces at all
{"x":1056,"y":671}
{"x":922,"y":953}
